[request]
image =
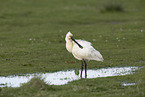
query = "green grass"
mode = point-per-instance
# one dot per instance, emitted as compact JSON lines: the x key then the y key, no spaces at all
{"x":32,"y":36}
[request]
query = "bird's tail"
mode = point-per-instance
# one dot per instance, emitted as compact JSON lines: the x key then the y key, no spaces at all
{"x":99,"y":57}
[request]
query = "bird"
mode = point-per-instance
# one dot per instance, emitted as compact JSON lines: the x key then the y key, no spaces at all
{"x":82,"y":50}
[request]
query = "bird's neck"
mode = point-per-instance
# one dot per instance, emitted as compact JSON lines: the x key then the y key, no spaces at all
{"x":69,"y":45}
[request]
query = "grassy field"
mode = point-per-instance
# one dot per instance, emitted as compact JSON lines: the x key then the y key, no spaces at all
{"x":32,"y":36}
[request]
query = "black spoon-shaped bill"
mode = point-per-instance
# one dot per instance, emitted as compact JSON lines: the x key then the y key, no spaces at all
{"x":76,"y":42}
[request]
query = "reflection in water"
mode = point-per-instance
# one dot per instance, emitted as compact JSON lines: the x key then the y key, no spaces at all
{"x":63,"y":77}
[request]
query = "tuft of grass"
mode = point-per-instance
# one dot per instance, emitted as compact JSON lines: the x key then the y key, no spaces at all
{"x":37,"y":83}
{"x":34,"y":88}
{"x":0,"y":89}
{"x":113,"y":7}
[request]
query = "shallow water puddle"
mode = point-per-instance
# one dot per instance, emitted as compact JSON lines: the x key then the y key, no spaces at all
{"x":63,"y":77}
{"x":128,"y":84}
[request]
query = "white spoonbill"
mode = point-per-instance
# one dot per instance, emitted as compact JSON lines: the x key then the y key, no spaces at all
{"x":82,"y":50}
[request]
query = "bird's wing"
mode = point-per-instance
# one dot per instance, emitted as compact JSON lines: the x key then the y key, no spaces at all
{"x":95,"y":55}
{"x":78,"y":52}
{"x":88,"y":52}
{"x":84,"y":43}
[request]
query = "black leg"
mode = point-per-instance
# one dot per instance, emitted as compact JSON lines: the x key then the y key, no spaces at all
{"x":85,"y":68}
{"x":82,"y":68}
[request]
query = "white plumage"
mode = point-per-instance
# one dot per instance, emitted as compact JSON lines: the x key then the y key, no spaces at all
{"x":87,"y":52}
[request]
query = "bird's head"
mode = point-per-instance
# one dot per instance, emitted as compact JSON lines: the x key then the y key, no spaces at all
{"x":68,"y":36}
